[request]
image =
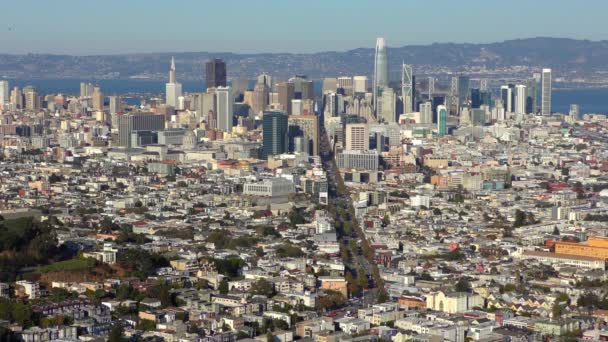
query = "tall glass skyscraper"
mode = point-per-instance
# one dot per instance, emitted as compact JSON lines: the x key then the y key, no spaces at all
{"x":464,"y":83}
{"x":545,"y":84}
{"x":380,"y":69}
{"x":442,"y":120}
{"x":406,"y":88}
{"x":274,"y":133}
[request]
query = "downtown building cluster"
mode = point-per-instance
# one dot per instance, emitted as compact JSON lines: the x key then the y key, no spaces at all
{"x":352,"y":208}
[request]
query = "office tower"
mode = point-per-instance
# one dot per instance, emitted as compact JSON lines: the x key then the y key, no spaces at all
{"x":360,"y":84}
{"x":442,"y":120}
{"x":431,"y":87}
{"x":129,"y":123}
{"x":97,"y":98}
{"x":454,"y":105}
{"x":574,"y":111}
{"x":346,"y":83}
{"x":426,"y":112}
{"x":297,"y":107}
{"x":225,"y":112}
{"x":260,"y":98}
{"x":357,"y":137}
{"x":531,"y":96}
{"x":83,"y":89}
{"x":306,"y":126}
{"x":115,"y":104}
{"x":308,"y":90}
{"x":330,"y":85}
{"x":4,"y":92}
{"x":32,"y":100}
{"x":463,"y":89}
{"x":215,"y":73}
{"x":520,"y":99}
{"x":406,"y":88}
{"x":173,"y":89}
{"x":265,"y":79}
{"x":286,"y":94}
{"x":17,"y":98}
{"x":239,"y":87}
{"x":478,"y":117}
{"x":387,"y":110}
{"x":380,"y":69}
{"x":506,"y":96}
{"x":545,"y":92}
{"x":86,"y":89}
{"x":499,"y":111}
{"x":209,"y":104}
{"x":475,"y":98}
{"x":483,"y":84}
{"x":331,"y":105}
{"x":274,"y":134}
{"x":486,"y":97}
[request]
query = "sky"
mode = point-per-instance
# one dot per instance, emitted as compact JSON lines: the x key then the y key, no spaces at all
{"x":85,"y":27}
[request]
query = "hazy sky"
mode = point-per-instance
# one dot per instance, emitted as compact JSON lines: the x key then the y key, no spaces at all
{"x":110,"y":26}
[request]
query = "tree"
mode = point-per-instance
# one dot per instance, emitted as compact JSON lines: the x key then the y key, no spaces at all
{"x":426,"y":276}
{"x":269,"y":337}
{"x":386,"y":220}
{"x":520,"y":218}
{"x":362,"y":279}
{"x":146,"y":325}
{"x":556,"y":310}
{"x":555,"y":231}
{"x":462,"y":285}
{"x":22,"y":313}
{"x":262,"y":287}
{"x":223,"y":287}
{"x":117,"y":334}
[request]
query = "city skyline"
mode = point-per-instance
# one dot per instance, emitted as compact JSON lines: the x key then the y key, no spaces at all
{"x":33,"y":29}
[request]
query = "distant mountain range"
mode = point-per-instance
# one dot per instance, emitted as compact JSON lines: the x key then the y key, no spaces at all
{"x":570,"y":58}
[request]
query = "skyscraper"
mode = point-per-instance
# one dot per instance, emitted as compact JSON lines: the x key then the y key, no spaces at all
{"x":574,"y":111}
{"x":545,"y":102}
{"x":4,"y":92}
{"x":308,"y":90}
{"x":115,"y":104}
{"x":129,"y":123}
{"x":17,"y":97}
{"x":442,"y":120}
{"x":32,"y":100}
{"x":431,"y":87}
{"x":506,"y":94}
{"x":360,"y":84}
{"x":520,"y":99}
{"x":86,"y":89}
{"x":173,"y":89}
{"x":531,"y":96}
{"x":239,"y":87}
{"x":463,"y":89}
{"x":215,"y":73}
{"x":286,"y":94}
{"x":380,"y":69}
{"x":260,"y":98}
{"x":97,"y":98}
{"x":426,"y":113}
{"x":357,"y":137}
{"x":406,"y":88}
{"x":274,"y":134}
{"x":346,"y":83}
{"x":306,"y":126}
{"x":387,"y":105}
{"x":225,"y":112}
{"x":265,"y":79}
